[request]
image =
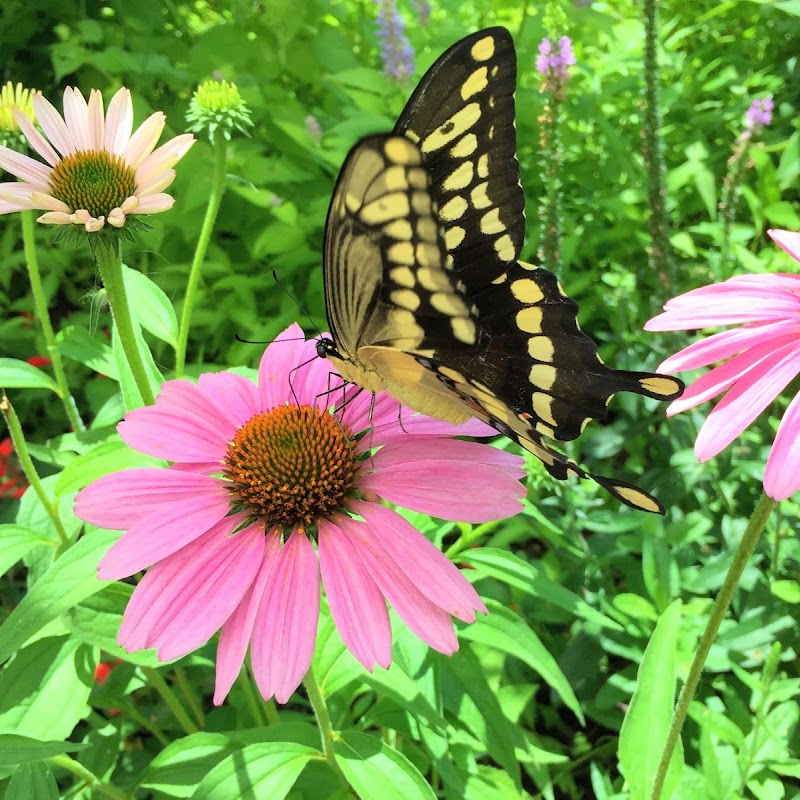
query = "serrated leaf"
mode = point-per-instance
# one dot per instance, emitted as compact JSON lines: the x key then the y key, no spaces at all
{"x":17,"y":749}
{"x":506,"y":631}
{"x":72,"y":578}
{"x":510,"y":569}
{"x":16,"y":374}
{"x":375,"y":770}
{"x":268,"y":770}
{"x":151,"y":306}
{"x":644,"y":729}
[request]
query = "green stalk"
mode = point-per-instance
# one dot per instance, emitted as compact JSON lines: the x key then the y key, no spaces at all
{"x":155,"y":679}
{"x":660,"y":255}
{"x":727,"y":203}
{"x":326,"y":731}
{"x":217,"y":188}
{"x":550,"y":211}
{"x":89,"y":778}
{"x":190,"y":696}
{"x":109,"y":262}
{"x":251,"y":699}
{"x":21,"y":448}
{"x":40,"y":304}
{"x":743,"y":552}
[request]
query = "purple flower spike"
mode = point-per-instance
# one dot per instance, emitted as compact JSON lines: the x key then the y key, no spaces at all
{"x":396,"y":51}
{"x":759,"y":114}
{"x":552,"y":63}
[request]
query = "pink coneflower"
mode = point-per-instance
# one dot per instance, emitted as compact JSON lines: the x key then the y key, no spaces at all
{"x":763,"y":358}
{"x":96,"y":171}
{"x":262,"y":474}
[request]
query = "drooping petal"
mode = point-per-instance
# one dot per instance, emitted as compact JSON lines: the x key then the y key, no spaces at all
{"x":25,"y":168}
{"x":788,"y":240}
{"x":120,"y":499}
{"x":235,"y":635}
{"x":235,"y":394}
{"x":423,"y":618}
{"x":746,"y":400}
{"x":356,"y":604}
{"x":160,"y":534}
{"x":286,"y":624}
{"x":119,"y":122}
{"x":782,"y":475}
{"x":155,"y":203}
{"x":144,"y":139}
{"x":428,"y":569}
{"x":54,"y":127}
{"x":56,"y":218}
{"x":464,"y":481}
{"x":203,"y":595}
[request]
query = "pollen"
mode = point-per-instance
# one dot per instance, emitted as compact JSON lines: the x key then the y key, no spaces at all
{"x":292,"y":465}
{"x":94,"y":180}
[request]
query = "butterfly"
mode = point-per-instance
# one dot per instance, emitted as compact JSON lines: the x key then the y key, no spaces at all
{"x":426,"y":295}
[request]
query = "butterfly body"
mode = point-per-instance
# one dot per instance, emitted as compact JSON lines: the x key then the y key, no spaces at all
{"x":426,"y":295}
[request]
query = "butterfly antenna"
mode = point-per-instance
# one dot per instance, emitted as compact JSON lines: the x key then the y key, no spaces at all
{"x":297,"y":303}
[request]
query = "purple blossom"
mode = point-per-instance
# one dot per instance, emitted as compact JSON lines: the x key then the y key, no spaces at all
{"x":396,"y":51}
{"x":759,"y":114}
{"x":423,"y":8}
{"x":552,"y":63}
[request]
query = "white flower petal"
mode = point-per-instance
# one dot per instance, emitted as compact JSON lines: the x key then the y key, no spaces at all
{"x":157,"y":183}
{"x":55,"y":218}
{"x":116,"y":218}
{"x":47,"y":202}
{"x":130,"y":205}
{"x":155,"y":203}
{"x":95,"y":224}
{"x":36,"y":140}
{"x":144,"y":140}
{"x":165,"y":157}
{"x":119,"y":122}
{"x":76,"y":115}
{"x":54,"y":127}
{"x":97,"y":124}
{"x":22,"y":166}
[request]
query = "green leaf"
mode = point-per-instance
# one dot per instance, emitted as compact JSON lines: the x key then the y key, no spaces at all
{"x":15,"y":542}
{"x":16,"y":749}
{"x":16,"y":374}
{"x":375,"y":770}
{"x":32,"y":782}
{"x":647,"y":721}
{"x":506,"y":631}
{"x":87,"y":349}
{"x":512,"y":570}
{"x":333,"y":663}
{"x":72,"y":578}
{"x":786,"y":590}
{"x":265,"y":770}
{"x":183,"y":763}
{"x":151,"y":306}
{"x":130,"y":391}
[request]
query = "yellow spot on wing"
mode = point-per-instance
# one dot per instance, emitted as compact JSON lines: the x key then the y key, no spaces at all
{"x":465,"y":146}
{"x":530,"y":320}
{"x":402,"y":276}
{"x":490,"y":222}
{"x":401,"y":253}
{"x":541,"y":348}
{"x":453,"y":237}
{"x":504,"y":248}
{"x":463,"y":329}
{"x":543,"y":406}
{"x":453,"y":209}
{"x":661,"y":385}
{"x":526,"y":290}
{"x":459,"y":178}
{"x":398,"y":229}
{"x":483,"y":49}
{"x":476,"y":82}
{"x":543,"y":376}
{"x":479,"y":197}
{"x":388,"y":207}
{"x":454,"y":127}
{"x":406,"y":298}
{"x":401,"y":152}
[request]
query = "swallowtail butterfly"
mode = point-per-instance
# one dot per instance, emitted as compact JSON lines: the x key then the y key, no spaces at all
{"x":426,"y":296}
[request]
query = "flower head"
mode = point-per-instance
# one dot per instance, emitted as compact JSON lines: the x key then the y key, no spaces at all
{"x":759,"y":114}
{"x":218,"y":106}
{"x":552,"y":62}
{"x":396,"y":51}
{"x":96,"y":171}
{"x":763,"y":357}
{"x":261,"y":474}
{"x":14,"y":99}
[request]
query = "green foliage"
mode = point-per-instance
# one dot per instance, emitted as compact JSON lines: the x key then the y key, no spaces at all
{"x":565,"y":689}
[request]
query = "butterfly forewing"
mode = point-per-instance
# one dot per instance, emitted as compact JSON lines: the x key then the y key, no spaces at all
{"x":462,"y":117}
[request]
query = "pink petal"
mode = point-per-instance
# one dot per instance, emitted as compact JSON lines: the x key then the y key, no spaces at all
{"x":746,"y":400}
{"x":782,"y":475}
{"x":156,"y":184}
{"x":286,"y":628}
{"x":161,"y":533}
{"x":234,"y":394}
{"x":313,"y":383}
{"x":53,"y":125}
{"x":711,"y":313}
{"x":96,"y":120}
{"x":155,"y":203}
{"x":356,"y":604}
{"x":446,"y":478}
{"x":15,"y":196}
{"x":36,"y":140}
{"x":725,"y":375}
{"x":184,"y":610}
{"x":422,"y":617}
{"x":144,"y":139}
{"x":788,"y":240}
{"x":183,"y":395}
{"x":275,"y":370}
{"x":421,"y":425}
{"x":119,"y":122}
{"x":164,"y":157}
{"x":119,"y":500}
{"x":76,"y":115}
{"x":428,"y":569}
{"x":235,"y":635}
{"x":26,"y":168}
{"x":722,"y":345}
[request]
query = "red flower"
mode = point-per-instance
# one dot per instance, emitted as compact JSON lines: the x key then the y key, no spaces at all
{"x":39,"y":361}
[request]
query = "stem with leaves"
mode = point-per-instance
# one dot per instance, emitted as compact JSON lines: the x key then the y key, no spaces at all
{"x":552,"y":158}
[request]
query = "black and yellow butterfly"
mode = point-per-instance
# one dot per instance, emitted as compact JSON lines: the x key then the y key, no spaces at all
{"x":426,"y":297}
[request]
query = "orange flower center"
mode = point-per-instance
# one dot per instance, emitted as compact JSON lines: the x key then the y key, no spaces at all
{"x":94,"y":180}
{"x":291,"y":465}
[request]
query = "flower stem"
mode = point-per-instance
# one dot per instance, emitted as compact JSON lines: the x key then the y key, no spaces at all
{"x":25,"y":461}
{"x":190,"y":695}
{"x":660,"y":255}
{"x":40,"y":304}
{"x":156,"y":680}
{"x":215,"y":198}
{"x":251,"y":699}
{"x":730,"y":188}
{"x":742,"y":555}
{"x":550,"y":210}
{"x":89,"y":778}
{"x":326,"y":730}
{"x":109,"y":262}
